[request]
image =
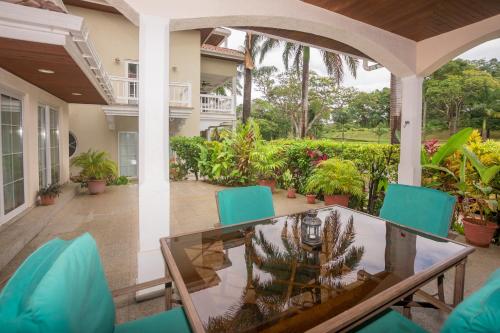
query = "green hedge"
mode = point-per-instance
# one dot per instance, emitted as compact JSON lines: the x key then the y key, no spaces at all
{"x":187,"y":150}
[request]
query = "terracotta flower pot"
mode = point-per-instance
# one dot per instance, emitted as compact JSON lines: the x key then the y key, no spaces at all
{"x":478,"y":235}
{"x":271,"y":183}
{"x":96,"y":186}
{"x":47,"y":200}
{"x":341,"y":200}
{"x":311,"y":198}
{"x":291,"y":193}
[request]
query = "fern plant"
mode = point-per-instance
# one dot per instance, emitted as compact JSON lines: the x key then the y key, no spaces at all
{"x":267,"y":161}
{"x":96,"y":165}
{"x":336,"y":177}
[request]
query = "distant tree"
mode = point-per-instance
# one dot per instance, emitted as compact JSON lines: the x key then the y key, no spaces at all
{"x":369,"y":109}
{"x":299,"y":56}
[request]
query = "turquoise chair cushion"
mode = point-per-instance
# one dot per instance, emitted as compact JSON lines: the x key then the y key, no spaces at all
{"x":172,"y":321}
{"x":480,"y":312}
{"x":68,"y":291}
{"x":389,"y":321}
{"x":241,"y":204}
{"x":420,"y":208}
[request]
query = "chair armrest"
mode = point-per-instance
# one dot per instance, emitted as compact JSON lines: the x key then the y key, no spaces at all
{"x":141,"y":286}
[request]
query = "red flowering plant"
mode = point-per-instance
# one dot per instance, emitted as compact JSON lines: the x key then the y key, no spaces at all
{"x":431,"y":146}
{"x":316,"y":156}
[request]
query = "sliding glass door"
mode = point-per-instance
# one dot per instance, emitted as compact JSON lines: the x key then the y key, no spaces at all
{"x":48,"y":146}
{"x":12,"y":163}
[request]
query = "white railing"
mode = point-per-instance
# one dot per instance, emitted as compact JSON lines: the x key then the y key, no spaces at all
{"x":127,"y":92}
{"x":216,"y":104}
{"x":180,"y":94}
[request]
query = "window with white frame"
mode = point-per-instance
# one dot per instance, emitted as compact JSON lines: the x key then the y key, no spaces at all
{"x":48,"y":146}
{"x":132,"y":68}
{"x":12,"y":163}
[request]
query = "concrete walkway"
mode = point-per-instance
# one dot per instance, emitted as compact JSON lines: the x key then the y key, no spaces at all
{"x":112,"y":218}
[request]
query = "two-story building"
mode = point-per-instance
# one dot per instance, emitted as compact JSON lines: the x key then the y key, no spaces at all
{"x":69,"y":82}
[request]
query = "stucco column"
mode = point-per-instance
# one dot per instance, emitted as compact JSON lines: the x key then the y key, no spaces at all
{"x":410,"y":170}
{"x":154,"y":186}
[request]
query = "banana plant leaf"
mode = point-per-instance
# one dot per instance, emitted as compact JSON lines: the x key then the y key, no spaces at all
{"x":487,"y":174}
{"x":454,"y":143}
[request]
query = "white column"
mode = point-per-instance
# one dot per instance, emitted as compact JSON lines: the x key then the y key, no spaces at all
{"x":410,"y":170}
{"x":154,"y":186}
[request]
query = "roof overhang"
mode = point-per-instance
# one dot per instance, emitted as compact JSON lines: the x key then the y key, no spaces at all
{"x":33,"y":39}
{"x":223,"y":53}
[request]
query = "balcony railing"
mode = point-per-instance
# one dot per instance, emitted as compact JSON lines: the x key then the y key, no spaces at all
{"x":216,"y":104}
{"x":127,"y":92}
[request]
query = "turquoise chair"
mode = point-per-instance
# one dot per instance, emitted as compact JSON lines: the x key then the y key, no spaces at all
{"x":419,"y":208}
{"x":478,"y":313}
{"x":241,"y":204}
{"x":423,"y":209}
{"x":61,"y":287}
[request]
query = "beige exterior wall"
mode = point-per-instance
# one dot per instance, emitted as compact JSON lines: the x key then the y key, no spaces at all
{"x":218,"y":67}
{"x":185,"y":67}
{"x":88,"y":124}
{"x":113,"y":36}
{"x":32,"y":97}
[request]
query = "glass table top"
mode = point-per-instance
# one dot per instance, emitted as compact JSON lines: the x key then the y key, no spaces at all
{"x":260,"y":276}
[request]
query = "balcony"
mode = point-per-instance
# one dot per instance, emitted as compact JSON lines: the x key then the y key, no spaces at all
{"x":127,"y":92}
{"x":216,"y":104}
{"x":214,"y":109}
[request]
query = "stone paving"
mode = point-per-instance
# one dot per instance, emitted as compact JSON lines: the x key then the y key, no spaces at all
{"x":112,"y":217}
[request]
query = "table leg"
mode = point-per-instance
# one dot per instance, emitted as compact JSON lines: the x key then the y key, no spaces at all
{"x":458,"y":294}
{"x":407,"y":308}
{"x":168,"y":290}
{"x":440,"y":282}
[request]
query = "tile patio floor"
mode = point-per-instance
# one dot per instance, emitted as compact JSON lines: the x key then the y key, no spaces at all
{"x":111,"y":218}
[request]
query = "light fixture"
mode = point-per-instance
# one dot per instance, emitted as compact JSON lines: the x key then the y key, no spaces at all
{"x":76,"y":94}
{"x":45,"y":71}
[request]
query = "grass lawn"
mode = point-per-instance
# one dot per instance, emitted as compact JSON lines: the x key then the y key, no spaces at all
{"x":368,"y":135}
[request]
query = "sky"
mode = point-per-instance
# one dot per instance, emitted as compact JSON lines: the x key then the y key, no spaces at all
{"x":365,"y":81}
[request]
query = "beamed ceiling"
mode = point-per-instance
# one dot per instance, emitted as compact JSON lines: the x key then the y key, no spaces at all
{"x":417,"y":19}
{"x":23,"y":59}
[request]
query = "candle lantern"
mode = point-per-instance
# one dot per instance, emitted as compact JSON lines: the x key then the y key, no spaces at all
{"x":310,"y":229}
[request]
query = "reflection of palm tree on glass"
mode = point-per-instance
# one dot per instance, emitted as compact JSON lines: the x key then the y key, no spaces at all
{"x":295,"y":276}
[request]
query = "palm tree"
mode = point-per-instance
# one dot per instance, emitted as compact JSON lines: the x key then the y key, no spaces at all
{"x":252,"y":47}
{"x":299,"y":56}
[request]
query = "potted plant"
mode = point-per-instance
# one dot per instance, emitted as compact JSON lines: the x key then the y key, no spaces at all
{"x":48,"y":194}
{"x":479,"y":201}
{"x":266,"y":162}
{"x":337,"y":180}
{"x":311,"y":198}
{"x":287,"y":180}
{"x":96,"y":168}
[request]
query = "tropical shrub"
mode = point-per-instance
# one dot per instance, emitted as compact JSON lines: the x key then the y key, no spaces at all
{"x":187,"y":150}
{"x":95,"y":165}
{"x":286,"y":180}
{"x":267,"y":162}
{"x":228,"y":161}
{"x":335,"y":177}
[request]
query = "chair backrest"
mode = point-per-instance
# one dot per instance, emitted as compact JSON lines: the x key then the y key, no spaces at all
{"x":421,"y":208}
{"x":479,"y":312}
{"x":61,"y":287}
{"x":241,"y":204}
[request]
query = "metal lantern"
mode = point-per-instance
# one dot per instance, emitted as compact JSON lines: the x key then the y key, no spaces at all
{"x":310,"y":229}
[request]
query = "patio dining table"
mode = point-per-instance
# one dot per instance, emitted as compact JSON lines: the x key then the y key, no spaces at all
{"x":260,"y":276}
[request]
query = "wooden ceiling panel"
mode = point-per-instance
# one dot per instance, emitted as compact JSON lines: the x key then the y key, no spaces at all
{"x":416,"y":20}
{"x":308,"y":38}
{"x":23,"y":59}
